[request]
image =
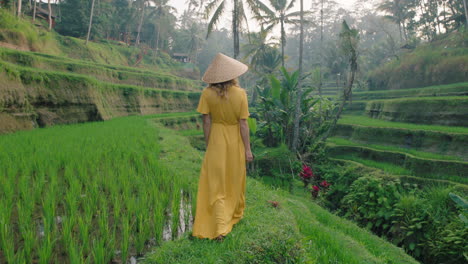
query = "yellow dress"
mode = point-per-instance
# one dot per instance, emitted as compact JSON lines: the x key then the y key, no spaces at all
{"x":221,"y":189}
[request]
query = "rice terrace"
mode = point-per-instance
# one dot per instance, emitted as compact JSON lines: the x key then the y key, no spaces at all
{"x":358,"y":127}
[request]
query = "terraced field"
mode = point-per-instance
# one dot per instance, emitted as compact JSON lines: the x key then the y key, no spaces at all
{"x":39,"y":90}
{"x":420,"y":133}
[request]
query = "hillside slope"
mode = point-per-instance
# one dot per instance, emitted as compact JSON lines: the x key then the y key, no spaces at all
{"x":443,"y":61}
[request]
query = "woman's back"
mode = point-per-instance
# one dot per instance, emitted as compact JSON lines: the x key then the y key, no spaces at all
{"x":227,"y":110}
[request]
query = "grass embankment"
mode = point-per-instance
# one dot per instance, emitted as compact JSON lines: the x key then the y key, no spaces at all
{"x":103,"y":72}
{"x":442,"y":61}
{"x":449,"y":111}
{"x":433,"y":167}
{"x":372,"y":122}
{"x":442,"y":143}
{"x":382,"y":169}
{"x":419,"y":154}
{"x":456,"y":89}
{"x":81,"y":193}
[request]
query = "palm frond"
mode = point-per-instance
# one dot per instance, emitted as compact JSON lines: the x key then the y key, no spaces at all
{"x":215,"y":18}
{"x":291,"y":4}
{"x":243,"y":17}
{"x":210,"y":6}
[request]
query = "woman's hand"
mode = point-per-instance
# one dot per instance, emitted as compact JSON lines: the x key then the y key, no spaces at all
{"x":249,"y":156}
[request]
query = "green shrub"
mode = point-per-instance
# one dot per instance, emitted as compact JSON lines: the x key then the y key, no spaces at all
{"x":340,"y":178}
{"x":370,"y":202}
{"x":279,"y":164}
{"x":410,"y":224}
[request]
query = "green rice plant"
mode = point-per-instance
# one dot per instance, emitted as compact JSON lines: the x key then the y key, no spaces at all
{"x":75,"y":255}
{"x":83,"y":230}
{"x":46,"y":247}
{"x":99,"y":250}
{"x":125,"y":244}
{"x":142,"y":226}
{"x":87,"y":182}
{"x":26,"y":229}
{"x":7,"y":244}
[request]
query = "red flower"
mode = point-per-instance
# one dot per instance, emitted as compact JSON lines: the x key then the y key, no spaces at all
{"x":315,"y":188}
{"x":325,"y":184}
{"x":306,"y":172}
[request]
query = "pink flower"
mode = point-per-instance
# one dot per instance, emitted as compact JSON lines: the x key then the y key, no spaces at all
{"x":315,"y":188}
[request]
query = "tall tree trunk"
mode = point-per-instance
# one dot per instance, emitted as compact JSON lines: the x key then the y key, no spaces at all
{"x":156,"y":32}
{"x":346,"y":95}
{"x":235,"y":28}
{"x":34,"y":10}
{"x":405,"y":33}
{"x":137,"y":41}
{"x":90,"y":22}
{"x":298,"y":114}
{"x":321,"y":61}
{"x":321,"y":50}
{"x":19,"y":8}
{"x":399,"y":29}
{"x":50,"y":14}
{"x":157,"y":39}
{"x":466,"y":12}
{"x":283,"y":39}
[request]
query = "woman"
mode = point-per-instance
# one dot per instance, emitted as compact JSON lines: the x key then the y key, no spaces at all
{"x":221,"y":189}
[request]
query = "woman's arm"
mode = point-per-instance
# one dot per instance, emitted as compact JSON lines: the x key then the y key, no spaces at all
{"x":244,"y":129}
{"x":206,"y":127}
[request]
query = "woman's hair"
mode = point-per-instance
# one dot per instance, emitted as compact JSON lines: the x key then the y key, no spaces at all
{"x":221,"y":88}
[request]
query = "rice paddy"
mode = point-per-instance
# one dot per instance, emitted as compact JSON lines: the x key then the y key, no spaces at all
{"x":87,"y":193}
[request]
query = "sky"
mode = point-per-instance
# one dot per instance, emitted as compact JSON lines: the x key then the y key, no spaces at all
{"x":180,"y":5}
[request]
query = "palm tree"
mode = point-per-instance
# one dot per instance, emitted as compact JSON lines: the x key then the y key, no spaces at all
{"x":195,"y":42}
{"x":50,"y":14}
{"x":238,"y":17}
{"x":90,"y":22}
{"x":257,"y":49}
{"x":278,"y":15}
{"x":399,"y":11}
{"x":298,"y":112}
{"x":466,"y":12}
{"x":140,"y":24}
{"x":264,"y":58}
{"x":161,"y":13}
{"x":19,"y":8}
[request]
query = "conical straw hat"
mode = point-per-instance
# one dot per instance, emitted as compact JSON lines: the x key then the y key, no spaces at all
{"x":223,"y":69}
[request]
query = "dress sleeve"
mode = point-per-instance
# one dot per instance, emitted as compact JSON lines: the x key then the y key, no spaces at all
{"x":244,"y":112}
{"x":203,"y":107}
